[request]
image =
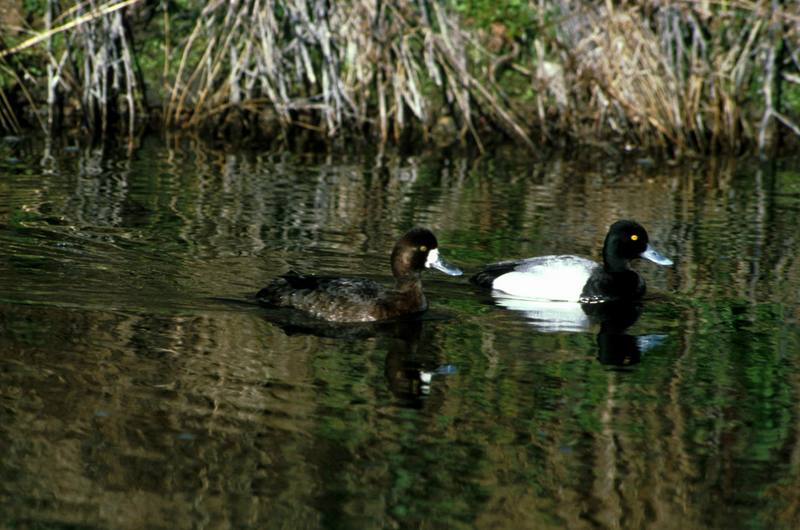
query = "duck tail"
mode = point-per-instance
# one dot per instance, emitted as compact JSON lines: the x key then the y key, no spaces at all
{"x":482,"y":279}
{"x":486,"y":277}
{"x":271,"y":294}
{"x":277,"y":290}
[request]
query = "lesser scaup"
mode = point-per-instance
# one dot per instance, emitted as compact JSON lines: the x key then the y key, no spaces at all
{"x":358,"y":299}
{"x":575,"y":279}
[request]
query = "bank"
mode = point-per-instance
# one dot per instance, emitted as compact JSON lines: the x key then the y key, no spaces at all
{"x":679,"y":77}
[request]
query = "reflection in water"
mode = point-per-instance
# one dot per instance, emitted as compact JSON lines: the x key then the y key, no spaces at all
{"x":614,"y":345}
{"x":409,"y":371}
{"x":548,"y":316}
{"x":130,"y":397}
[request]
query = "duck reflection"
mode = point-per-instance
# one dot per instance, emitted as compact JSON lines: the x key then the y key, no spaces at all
{"x":409,"y":367}
{"x":615,"y":346}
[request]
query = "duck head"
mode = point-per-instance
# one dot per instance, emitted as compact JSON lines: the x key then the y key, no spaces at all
{"x":416,"y":251}
{"x":628,"y":240}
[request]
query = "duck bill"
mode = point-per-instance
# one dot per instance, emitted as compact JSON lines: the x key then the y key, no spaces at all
{"x":655,"y":256}
{"x":435,"y":261}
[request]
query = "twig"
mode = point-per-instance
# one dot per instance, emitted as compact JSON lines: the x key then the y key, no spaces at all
{"x":93,"y":14}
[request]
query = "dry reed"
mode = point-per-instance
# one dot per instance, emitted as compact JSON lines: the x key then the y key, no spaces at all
{"x":93,"y":62}
{"x":681,"y":75}
{"x":332,"y":65}
{"x":687,"y":75}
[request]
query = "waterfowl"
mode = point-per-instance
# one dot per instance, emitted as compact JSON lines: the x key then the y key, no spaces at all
{"x":361,"y":300}
{"x":570,"y":278}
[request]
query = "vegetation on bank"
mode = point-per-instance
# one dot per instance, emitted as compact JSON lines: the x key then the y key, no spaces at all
{"x":682,"y":75}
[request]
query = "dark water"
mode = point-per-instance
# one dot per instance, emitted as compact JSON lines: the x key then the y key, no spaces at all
{"x":140,"y":389}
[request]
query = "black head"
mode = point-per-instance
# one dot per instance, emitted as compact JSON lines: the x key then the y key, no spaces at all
{"x":627,"y":240}
{"x":416,"y":251}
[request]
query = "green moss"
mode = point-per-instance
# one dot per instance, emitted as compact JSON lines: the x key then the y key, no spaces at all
{"x":33,"y":8}
{"x":791,"y":97}
{"x":518,"y":17}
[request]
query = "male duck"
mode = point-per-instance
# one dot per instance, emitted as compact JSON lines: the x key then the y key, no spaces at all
{"x":575,"y":279}
{"x":358,"y":299}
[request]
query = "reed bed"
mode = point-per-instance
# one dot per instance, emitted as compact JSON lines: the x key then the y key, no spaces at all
{"x":88,"y":57}
{"x":330,"y":66}
{"x":678,"y":75}
{"x":689,"y":75}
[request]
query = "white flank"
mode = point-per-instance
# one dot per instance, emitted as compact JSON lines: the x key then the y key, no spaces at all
{"x":552,"y":278}
{"x":566,"y":286}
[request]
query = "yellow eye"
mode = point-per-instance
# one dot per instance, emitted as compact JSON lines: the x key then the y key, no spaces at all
{"x":423,"y":248}
{"x":634,"y":237}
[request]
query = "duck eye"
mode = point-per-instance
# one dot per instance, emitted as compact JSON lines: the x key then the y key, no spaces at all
{"x":423,"y":248}
{"x":634,"y":237}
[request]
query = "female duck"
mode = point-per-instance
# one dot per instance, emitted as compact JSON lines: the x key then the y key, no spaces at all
{"x":576,"y":279}
{"x":359,"y":299}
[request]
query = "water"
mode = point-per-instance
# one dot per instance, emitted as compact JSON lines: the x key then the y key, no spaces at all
{"x":140,"y":388}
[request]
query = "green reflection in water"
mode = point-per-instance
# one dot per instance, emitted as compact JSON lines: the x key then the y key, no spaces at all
{"x":140,"y":388}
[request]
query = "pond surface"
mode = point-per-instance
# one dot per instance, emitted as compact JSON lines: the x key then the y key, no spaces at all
{"x":141,"y":388}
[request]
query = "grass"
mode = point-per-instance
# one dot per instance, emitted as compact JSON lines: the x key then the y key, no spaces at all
{"x":681,"y":76}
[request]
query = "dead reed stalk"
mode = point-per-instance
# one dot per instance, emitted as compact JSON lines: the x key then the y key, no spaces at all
{"x":680,"y":74}
{"x":330,"y":65}
{"x":91,"y":61}
{"x":8,"y":118}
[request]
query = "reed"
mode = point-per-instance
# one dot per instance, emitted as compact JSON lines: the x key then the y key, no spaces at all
{"x":331,"y":66}
{"x":92,"y":62}
{"x":678,"y":75}
{"x":687,"y":75}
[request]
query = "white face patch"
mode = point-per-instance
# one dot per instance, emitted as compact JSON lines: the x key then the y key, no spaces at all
{"x":433,"y":257}
{"x":436,"y":262}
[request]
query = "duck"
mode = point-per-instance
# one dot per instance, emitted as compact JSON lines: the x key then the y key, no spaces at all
{"x":568,"y":278}
{"x":345,"y":300}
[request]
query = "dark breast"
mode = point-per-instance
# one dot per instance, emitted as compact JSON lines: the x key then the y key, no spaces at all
{"x":338,"y":299}
{"x":624,"y":285}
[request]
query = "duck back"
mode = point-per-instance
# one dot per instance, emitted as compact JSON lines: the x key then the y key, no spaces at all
{"x":339,"y":299}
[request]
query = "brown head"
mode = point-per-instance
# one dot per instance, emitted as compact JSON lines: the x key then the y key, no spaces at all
{"x":416,"y":251}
